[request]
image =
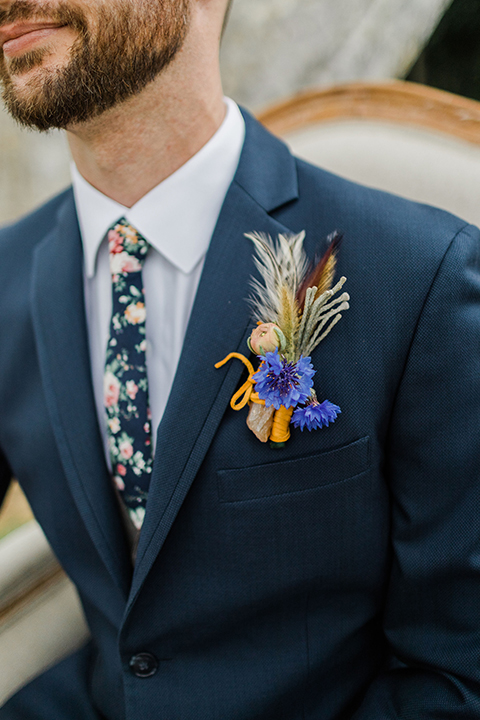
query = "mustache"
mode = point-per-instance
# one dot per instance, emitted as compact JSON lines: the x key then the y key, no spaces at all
{"x":30,"y":10}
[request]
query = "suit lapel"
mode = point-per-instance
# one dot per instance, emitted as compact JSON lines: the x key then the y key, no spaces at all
{"x":62,"y":343}
{"x":219,"y":324}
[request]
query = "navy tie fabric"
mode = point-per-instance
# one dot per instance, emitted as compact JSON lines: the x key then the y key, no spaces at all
{"x":125,"y":380}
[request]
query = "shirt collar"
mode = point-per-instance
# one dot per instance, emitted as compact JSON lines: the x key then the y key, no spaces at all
{"x":179,"y":215}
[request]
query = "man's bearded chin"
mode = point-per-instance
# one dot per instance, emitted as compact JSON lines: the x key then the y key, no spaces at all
{"x":131,"y":44}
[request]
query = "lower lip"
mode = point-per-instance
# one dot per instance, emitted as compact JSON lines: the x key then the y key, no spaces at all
{"x":26,"y":42}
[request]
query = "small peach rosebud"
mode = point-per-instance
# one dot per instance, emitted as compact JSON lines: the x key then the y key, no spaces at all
{"x":265,"y":338}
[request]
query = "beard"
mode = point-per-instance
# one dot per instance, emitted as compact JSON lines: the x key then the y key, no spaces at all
{"x":131,"y":42}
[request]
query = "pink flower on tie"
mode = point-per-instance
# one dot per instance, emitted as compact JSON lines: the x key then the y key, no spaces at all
{"x":126,"y":449}
{"x":115,"y":242}
{"x":122,"y":262}
{"x":121,"y":470}
{"x":132,"y":389}
{"x":111,"y":389}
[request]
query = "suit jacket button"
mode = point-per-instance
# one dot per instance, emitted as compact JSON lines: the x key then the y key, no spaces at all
{"x":143,"y":665}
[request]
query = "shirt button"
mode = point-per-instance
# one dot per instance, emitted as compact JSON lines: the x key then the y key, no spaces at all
{"x":143,"y":665}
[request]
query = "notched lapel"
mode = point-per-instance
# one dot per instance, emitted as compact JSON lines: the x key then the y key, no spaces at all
{"x":219,"y":324}
{"x":62,"y":343}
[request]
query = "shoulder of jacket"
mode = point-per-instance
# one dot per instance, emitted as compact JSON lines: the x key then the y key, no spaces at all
{"x":382,"y":220}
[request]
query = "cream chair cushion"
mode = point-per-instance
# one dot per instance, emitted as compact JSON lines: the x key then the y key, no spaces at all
{"x":41,"y":620}
{"x":419,"y":164}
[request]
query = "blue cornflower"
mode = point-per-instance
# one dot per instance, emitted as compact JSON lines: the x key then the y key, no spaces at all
{"x":315,"y":415}
{"x":280,"y":382}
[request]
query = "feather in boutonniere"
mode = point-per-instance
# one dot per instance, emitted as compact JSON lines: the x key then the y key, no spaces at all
{"x":295,"y":309}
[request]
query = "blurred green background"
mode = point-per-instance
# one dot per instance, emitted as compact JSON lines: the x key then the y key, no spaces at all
{"x":451,"y":59}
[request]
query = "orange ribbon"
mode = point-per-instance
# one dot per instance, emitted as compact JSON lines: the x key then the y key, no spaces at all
{"x":245,"y":394}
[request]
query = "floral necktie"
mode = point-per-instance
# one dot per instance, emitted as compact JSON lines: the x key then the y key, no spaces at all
{"x":125,"y":380}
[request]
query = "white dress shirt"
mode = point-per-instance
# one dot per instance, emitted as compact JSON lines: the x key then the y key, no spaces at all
{"x":177,"y":218}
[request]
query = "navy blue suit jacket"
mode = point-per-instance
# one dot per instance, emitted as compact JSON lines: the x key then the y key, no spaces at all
{"x":338,"y":578}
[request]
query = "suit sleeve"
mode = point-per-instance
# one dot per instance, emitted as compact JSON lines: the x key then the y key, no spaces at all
{"x":432,"y":612}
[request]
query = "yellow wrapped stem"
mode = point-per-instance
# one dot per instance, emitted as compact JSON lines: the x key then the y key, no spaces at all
{"x":281,"y":425}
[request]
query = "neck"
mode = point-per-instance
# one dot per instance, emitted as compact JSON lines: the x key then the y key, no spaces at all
{"x":128,"y":150}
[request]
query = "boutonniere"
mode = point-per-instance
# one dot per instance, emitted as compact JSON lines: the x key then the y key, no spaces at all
{"x":295,"y":309}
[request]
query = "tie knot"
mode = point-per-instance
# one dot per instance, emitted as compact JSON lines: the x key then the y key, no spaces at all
{"x":127,"y":248}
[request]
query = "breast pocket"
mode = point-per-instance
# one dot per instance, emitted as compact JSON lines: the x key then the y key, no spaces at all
{"x":290,"y":476}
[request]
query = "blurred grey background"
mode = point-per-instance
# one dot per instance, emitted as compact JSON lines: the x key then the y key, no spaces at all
{"x":274,"y":48}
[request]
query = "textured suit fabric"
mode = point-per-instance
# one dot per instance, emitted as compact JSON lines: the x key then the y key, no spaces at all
{"x":335,"y":579}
